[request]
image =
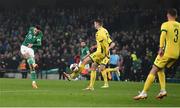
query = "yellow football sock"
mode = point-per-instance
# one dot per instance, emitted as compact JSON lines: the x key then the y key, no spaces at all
{"x":73,"y":74}
{"x":92,"y":79}
{"x":109,"y":75}
{"x":148,"y":82}
{"x":104,"y":75}
{"x":111,"y":69}
{"x":162,"y":80}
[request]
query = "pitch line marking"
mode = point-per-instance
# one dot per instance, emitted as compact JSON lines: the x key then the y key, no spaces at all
{"x":13,"y":91}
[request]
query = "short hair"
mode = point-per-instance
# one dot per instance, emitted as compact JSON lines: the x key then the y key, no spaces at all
{"x":38,"y":27}
{"x":99,"y":21}
{"x":82,"y":41}
{"x":172,"y":12}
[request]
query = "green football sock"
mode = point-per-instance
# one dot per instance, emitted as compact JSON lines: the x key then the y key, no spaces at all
{"x":33,"y":75}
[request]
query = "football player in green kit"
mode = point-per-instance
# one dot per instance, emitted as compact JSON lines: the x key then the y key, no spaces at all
{"x":32,"y":41}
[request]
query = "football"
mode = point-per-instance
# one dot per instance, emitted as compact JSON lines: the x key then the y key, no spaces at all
{"x":74,"y":67}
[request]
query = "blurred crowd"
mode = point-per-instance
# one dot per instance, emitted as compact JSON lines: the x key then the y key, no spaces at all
{"x":135,"y":32}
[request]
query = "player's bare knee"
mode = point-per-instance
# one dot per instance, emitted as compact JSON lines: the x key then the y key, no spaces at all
{"x":154,"y":70}
{"x":94,"y":66}
{"x":32,"y":68}
{"x":25,"y":56}
{"x":102,"y":68}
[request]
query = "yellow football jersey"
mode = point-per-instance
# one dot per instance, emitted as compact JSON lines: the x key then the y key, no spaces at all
{"x":172,"y":39}
{"x":102,"y":41}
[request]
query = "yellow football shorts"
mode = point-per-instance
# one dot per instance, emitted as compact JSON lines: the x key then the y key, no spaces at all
{"x":105,"y":61}
{"x":97,"y":57}
{"x":162,"y":62}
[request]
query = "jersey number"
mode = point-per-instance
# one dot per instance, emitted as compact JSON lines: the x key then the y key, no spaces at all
{"x":176,"y":35}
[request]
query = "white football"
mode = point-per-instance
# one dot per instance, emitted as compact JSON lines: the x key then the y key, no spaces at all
{"x":74,"y":67}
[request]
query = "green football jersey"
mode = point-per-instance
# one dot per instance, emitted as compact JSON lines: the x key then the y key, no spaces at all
{"x":84,"y":52}
{"x":31,"y":38}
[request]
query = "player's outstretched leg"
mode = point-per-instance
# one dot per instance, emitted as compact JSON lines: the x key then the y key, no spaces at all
{"x":32,"y":66}
{"x":67,"y":76}
{"x":148,"y":83}
{"x":113,"y":70}
{"x":74,"y":74}
{"x":81,"y":67}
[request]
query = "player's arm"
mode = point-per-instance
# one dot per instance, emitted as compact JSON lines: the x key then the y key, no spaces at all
{"x":162,"y":39}
{"x":112,"y":44}
{"x":30,"y":45}
{"x":39,"y":40}
{"x":86,"y":56}
{"x":93,"y":47}
{"x":88,"y":53}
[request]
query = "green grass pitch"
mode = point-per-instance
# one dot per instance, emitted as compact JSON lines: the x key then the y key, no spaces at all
{"x":18,"y":92}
